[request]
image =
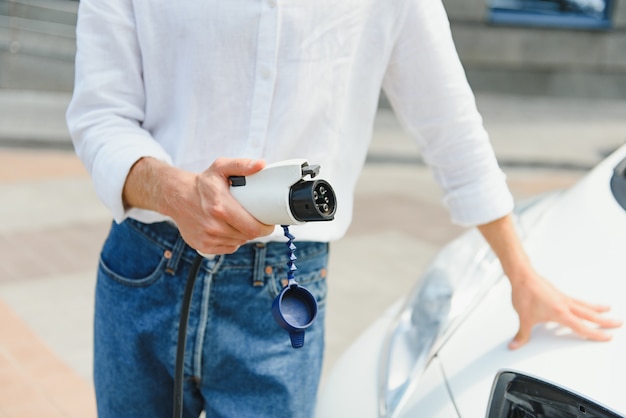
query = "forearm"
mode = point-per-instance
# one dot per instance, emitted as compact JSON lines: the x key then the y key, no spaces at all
{"x":155,"y":185}
{"x":208,"y":217}
{"x":506,"y":244}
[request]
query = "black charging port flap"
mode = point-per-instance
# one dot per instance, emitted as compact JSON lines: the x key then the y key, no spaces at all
{"x":517,"y":395}
{"x":618,"y":183}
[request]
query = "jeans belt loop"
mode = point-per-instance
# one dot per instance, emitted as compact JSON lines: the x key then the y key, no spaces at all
{"x":258,"y":275}
{"x":176,"y":254}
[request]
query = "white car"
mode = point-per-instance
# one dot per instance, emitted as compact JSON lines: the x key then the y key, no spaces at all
{"x":442,"y":352}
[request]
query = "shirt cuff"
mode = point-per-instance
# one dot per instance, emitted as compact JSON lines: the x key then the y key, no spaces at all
{"x":480,"y":203}
{"x":111,"y":168}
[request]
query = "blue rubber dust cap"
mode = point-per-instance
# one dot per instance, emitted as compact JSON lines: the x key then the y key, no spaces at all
{"x":295,"y":309}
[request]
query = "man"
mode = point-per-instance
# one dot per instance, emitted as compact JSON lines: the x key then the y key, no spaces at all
{"x":172,"y":98}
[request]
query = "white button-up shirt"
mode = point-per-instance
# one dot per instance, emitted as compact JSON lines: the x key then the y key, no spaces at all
{"x":188,"y":82}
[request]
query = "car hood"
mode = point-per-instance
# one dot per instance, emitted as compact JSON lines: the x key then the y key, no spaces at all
{"x":577,"y":240}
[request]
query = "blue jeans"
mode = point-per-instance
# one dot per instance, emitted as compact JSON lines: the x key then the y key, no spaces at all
{"x":238,"y":363}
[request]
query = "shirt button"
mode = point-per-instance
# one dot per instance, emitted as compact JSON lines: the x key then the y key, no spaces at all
{"x":271,"y":3}
{"x":265,"y":73}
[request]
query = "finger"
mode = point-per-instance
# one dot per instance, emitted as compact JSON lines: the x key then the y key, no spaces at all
{"x":220,"y":243}
{"x":522,"y":336}
{"x":237,"y":166}
{"x":234,"y":215}
{"x":592,"y":306}
{"x":211,"y":244}
{"x":593,"y":334}
{"x":591,"y":315}
{"x":246,"y":225}
{"x":223,"y":249}
{"x":227,"y":218}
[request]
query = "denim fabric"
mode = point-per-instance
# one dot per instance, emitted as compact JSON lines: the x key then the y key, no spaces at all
{"x":238,"y":363}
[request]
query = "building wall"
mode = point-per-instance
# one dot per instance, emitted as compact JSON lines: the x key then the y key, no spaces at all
{"x":532,"y":60}
{"x":37,"y":46}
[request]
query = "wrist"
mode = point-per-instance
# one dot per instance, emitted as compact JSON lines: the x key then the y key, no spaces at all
{"x":152,"y":184}
{"x":519,"y":272}
{"x":175,"y":193}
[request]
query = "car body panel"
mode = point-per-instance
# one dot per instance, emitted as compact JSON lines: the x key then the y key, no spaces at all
{"x":351,"y":389}
{"x":433,"y":398}
{"x":579,"y":245}
{"x":476,"y":352}
{"x":576,"y":239}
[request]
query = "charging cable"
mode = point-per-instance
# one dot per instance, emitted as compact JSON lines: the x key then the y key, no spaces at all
{"x":179,"y":371}
{"x":276,"y":195}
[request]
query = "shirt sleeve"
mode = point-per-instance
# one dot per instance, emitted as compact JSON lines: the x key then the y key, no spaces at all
{"x":427,"y":88}
{"x":107,"y":108}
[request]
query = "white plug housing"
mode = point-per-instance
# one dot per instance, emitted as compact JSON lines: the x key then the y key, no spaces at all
{"x":270,"y":197}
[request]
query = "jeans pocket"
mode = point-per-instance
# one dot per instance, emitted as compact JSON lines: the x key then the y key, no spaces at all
{"x":313,"y":280}
{"x":131,"y":258}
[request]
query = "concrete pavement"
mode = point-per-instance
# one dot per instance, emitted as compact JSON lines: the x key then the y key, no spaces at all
{"x":52,"y":225}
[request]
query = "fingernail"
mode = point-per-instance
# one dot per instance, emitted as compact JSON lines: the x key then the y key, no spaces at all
{"x":515,"y":344}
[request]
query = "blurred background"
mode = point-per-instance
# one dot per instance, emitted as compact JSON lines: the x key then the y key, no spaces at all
{"x":550,"y":81}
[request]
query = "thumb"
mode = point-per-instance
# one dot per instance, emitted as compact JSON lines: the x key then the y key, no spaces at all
{"x":522,"y":336}
{"x":238,"y":166}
